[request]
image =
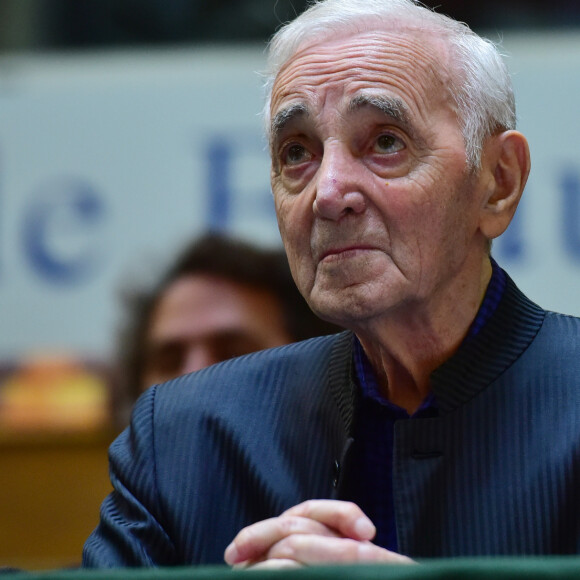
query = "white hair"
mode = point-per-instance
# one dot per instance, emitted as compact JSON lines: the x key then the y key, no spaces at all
{"x":481,"y":85}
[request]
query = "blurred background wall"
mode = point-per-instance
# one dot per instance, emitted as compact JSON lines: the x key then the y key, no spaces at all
{"x":129,"y":126}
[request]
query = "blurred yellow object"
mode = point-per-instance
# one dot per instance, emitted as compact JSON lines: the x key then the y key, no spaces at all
{"x":53,"y":392}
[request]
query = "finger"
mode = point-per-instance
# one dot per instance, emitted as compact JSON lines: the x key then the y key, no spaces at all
{"x":309,"y":550}
{"x":276,"y":564}
{"x":254,"y":541}
{"x":343,"y":516}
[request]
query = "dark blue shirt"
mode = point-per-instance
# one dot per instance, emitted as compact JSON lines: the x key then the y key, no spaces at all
{"x":371,"y":485}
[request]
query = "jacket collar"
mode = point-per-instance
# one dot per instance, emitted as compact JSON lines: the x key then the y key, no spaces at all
{"x":476,"y":364}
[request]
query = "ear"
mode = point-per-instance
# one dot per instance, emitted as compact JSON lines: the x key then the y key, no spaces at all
{"x":506,"y":159}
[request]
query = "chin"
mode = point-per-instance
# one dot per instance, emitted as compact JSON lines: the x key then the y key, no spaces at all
{"x":355,"y":305}
{"x":345,"y":313}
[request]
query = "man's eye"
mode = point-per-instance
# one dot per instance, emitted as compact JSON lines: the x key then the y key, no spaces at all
{"x":296,"y":154}
{"x":388,"y":144}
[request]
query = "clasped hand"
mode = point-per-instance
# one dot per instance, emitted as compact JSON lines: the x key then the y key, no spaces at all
{"x":313,"y":532}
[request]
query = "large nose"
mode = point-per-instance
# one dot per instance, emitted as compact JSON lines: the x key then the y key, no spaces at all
{"x":338,"y":187}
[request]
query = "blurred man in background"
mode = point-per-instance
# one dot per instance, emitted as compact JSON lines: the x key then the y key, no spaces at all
{"x":221,"y":298}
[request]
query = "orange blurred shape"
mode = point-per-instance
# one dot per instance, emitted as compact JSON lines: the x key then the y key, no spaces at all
{"x":53,"y":392}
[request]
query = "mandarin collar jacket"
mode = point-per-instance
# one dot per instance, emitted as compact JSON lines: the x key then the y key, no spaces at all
{"x":495,"y":473}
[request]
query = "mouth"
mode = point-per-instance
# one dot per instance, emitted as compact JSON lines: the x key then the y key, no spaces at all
{"x":346,"y":252}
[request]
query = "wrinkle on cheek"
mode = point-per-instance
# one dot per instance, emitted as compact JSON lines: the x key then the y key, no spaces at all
{"x":430,"y":177}
{"x":427,"y":186}
{"x":442,"y":159}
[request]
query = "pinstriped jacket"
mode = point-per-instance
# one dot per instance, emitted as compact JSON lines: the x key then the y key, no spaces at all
{"x":496,"y":473}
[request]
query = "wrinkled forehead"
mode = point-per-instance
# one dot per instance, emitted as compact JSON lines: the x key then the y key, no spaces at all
{"x":409,"y":63}
{"x":286,"y":48}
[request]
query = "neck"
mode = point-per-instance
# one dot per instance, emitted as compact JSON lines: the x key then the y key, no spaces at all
{"x":406,"y":346}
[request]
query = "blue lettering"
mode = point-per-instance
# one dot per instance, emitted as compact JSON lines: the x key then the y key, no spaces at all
{"x":570,"y":185}
{"x":229,"y":160}
{"x":510,"y":246}
{"x":218,"y":156}
{"x":60,"y":231}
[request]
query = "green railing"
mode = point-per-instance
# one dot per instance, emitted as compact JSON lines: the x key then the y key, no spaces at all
{"x":533,"y":568}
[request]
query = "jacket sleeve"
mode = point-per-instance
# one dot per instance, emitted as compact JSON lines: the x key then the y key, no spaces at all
{"x":131,"y":532}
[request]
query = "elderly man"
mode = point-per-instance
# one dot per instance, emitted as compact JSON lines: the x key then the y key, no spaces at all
{"x":446,"y":421}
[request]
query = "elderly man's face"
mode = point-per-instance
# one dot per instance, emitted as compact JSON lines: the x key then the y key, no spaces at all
{"x":375,"y":203}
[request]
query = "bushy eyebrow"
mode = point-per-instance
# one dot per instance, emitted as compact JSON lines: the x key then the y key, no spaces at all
{"x":389,"y":106}
{"x":283,"y":117}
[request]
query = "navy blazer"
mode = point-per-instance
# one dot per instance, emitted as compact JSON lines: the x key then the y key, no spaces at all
{"x":496,"y":473}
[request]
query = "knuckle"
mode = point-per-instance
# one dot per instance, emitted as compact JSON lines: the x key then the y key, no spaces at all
{"x":366,"y":552}
{"x":349,"y":506}
{"x":243,"y":537}
{"x":306,"y":507}
{"x":245,"y":540}
{"x":288,"y":525}
{"x":287,"y":549}
{"x":348,"y":512}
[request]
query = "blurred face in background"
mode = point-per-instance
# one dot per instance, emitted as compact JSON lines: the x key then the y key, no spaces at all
{"x":201,"y":320}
